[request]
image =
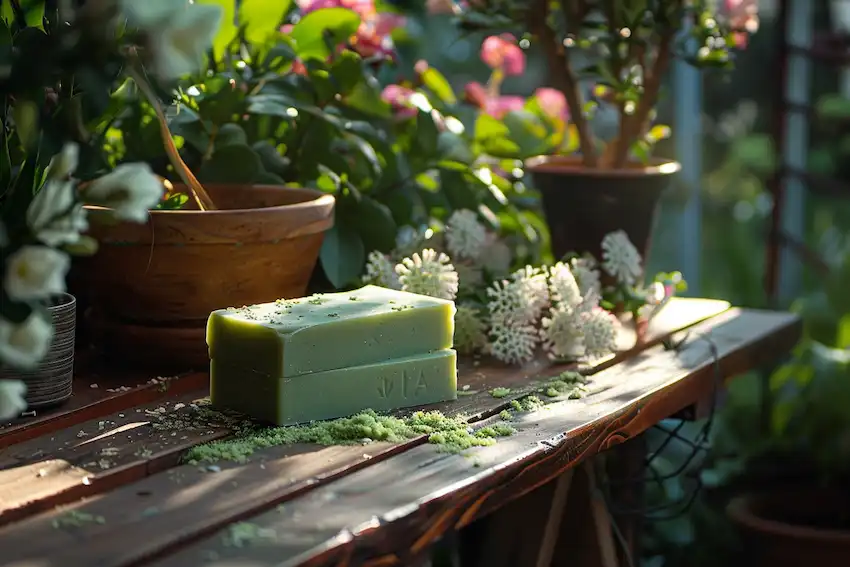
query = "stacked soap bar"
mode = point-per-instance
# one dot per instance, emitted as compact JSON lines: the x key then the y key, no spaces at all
{"x":332,"y":355}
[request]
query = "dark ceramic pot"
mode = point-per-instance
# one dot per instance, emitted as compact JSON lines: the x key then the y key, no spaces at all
{"x":583,"y":205}
{"x":51,"y":382}
{"x":794,"y":528}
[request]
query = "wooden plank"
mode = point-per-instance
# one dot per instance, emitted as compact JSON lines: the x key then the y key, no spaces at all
{"x":190,"y":502}
{"x":98,"y":393}
{"x":410,"y":501}
{"x":99,"y":455}
{"x":61,"y":483}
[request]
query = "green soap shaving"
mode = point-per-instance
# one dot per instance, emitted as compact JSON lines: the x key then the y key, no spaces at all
{"x":76,"y":519}
{"x":506,"y":415}
{"x":243,"y":534}
{"x":570,"y":384}
{"x":452,"y":434}
{"x":500,"y":392}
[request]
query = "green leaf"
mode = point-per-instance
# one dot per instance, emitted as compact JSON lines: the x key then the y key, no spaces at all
{"x":437,"y":84}
{"x":427,"y":134}
{"x":454,"y":148}
{"x":488,"y":127}
{"x":309,"y":33}
{"x":230,"y":134}
{"x":235,"y":163}
{"x":527,"y":131}
{"x":227,"y":30}
{"x":347,"y":71}
{"x":843,"y":338}
{"x":365,"y":98}
{"x":262,"y":18}
{"x":343,"y":254}
{"x":372,"y":220}
{"x":34,"y":11}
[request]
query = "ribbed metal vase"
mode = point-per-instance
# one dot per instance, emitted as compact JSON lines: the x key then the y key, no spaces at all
{"x":51,"y":382}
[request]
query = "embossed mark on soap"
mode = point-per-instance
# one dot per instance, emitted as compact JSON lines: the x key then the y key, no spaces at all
{"x":412,"y":385}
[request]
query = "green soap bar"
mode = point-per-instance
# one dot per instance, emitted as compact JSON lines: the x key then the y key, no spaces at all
{"x":334,"y":330}
{"x":384,"y":386}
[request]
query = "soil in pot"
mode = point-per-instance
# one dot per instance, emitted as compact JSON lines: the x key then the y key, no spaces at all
{"x":151,"y":287}
{"x":583,"y":205}
{"x":795,"y":527}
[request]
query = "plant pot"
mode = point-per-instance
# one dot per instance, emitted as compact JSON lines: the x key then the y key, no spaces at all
{"x":152,"y":286}
{"x":51,"y":383}
{"x":794,"y":528}
{"x":583,"y":205}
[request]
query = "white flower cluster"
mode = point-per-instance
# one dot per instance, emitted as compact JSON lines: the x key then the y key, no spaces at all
{"x":55,"y":217}
{"x":429,"y":273}
{"x":621,"y":259}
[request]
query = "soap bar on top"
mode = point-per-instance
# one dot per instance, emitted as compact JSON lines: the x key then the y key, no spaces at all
{"x":382,"y":386}
{"x":329,"y":331}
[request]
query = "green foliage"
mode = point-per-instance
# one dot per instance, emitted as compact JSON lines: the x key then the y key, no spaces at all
{"x":295,"y":110}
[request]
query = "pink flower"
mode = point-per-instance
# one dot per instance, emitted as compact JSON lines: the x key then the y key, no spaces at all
{"x":497,"y":107}
{"x":553,"y":103}
{"x":742,"y":16}
{"x":373,"y":35}
{"x":398,"y":98}
{"x":502,"y":52}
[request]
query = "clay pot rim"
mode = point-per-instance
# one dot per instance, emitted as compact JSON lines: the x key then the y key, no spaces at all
{"x":742,"y":510}
{"x":318,"y":200}
{"x":572,"y":164}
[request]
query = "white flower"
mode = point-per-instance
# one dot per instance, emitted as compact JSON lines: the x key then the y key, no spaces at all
{"x":54,"y":215}
{"x":587,"y":276}
{"x":179,"y":32}
{"x":131,"y":189}
{"x":561,"y":334}
{"x":35,"y":272}
{"x":533,"y":288}
{"x":470,"y":330}
{"x":599,"y":328}
{"x":12,"y":401}
{"x":564,"y":287}
{"x":507,"y":304}
{"x":620,"y":258}
{"x":465,"y":235}
{"x":63,"y":165}
{"x":496,"y":256}
{"x":381,"y":271}
{"x":513,"y":344}
{"x":428,"y":274}
{"x":23,"y":346}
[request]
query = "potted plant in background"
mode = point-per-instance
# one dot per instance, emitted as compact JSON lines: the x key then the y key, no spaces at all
{"x":43,"y":151}
{"x":607,"y":60}
{"x":297,"y":106}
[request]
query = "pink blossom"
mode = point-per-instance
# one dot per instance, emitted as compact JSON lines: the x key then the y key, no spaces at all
{"x":498,"y":106}
{"x":742,"y":16}
{"x":398,"y":98}
{"x":373,"y":35}
{"x":553,"y":103}
{"x":502,"y":52}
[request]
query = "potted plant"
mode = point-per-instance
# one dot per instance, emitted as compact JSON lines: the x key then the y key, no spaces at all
{"x":606,"y":61}
{"x":299,"y":107}
{"x":43,"y":151}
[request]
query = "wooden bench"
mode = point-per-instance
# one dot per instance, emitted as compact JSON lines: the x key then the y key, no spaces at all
{"x":99,"y":482}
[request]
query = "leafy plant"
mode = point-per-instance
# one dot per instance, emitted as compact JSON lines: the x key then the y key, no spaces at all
{"x":603,"y":55}
{"x":302,"y":106}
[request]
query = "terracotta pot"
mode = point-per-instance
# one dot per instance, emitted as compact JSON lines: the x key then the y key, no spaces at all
{"x":152,"y":286}
{"x":583,"y":205}
{"x":794,"y":528}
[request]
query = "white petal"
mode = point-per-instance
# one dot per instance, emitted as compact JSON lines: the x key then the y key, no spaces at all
{"x":35,"y":272}
{"x":12,"y":401}
{"x":25,"y":345}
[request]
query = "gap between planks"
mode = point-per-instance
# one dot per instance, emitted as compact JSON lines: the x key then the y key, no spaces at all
{"x":188,"y":503}
{"x":58,"y":469}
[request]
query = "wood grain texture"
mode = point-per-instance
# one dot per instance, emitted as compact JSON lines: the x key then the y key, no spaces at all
{"x":394,"y":510}
{"x":279,"y":474}
{"x":98,"y":393}
{"x":98,"y":455}
{"x":59,"y":455}
{"x":414,"y":497}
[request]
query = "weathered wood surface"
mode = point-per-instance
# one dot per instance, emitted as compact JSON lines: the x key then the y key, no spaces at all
{"x":160,"y":513}
{"x":59,"y":468}
{"x":97,"y":394}
{"x":395,"y":510}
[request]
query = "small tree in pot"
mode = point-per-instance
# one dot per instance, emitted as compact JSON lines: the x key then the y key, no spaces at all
{"x":606,"y":61}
